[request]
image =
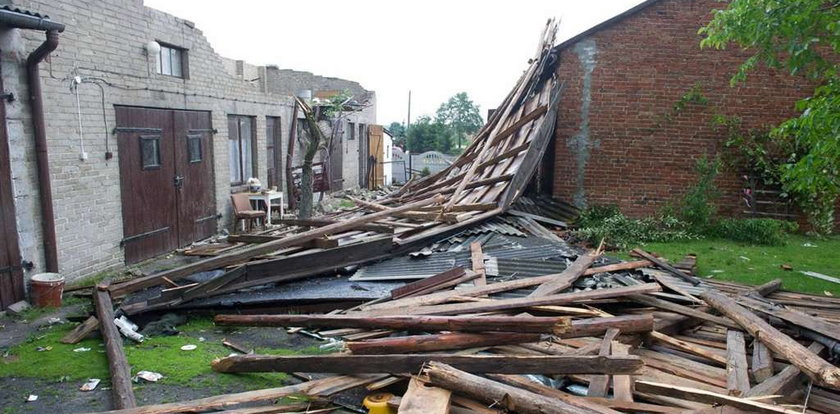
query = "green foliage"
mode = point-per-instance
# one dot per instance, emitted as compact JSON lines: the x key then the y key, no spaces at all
{"x":398,"y":131}
{"x":803,"y":38}
{"x":425,"y":172}
{"x":460,"y":114}
{"x":693,"y":96}
{"x":428,"y":135}
{"x":756,"y":264}
{"x":615,"y":229}
{"x":698,"y":205}
{"x":768,"y":232}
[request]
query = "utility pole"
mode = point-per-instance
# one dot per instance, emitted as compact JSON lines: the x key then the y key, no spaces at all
{"x":407,"y":126}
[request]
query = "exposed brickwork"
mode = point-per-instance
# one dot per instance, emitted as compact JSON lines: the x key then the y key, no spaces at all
{"x":105,"y":39}
{"x":643,"y":65}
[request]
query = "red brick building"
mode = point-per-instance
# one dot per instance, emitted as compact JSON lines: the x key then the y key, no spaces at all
{"x":620,"y":138}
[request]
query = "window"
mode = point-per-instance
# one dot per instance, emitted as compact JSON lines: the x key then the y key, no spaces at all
{"x":194,"y":148}
{"x":171,"y":61}
{"x":241,"y":137}
{"x":352,"y":130}
{"x":150,"y":152}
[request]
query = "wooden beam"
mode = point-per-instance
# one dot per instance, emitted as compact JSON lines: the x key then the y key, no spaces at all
{"x":623,"y":385}
{"x":600,"y":384}
{"x":519,"y":303}
{"x":683,"y":310}
{"x":378,"y":228}
{"x":492,"y":392}
{"x":438,"y":342}
{"x":477,"y":260}
{"x":316,"y":388}
{"x":412,"y":289}
{"x":246,"y":253}
{"x":82,"y":331}
{"x":784,"y":380}
{"x":677,"y":272}
{"x":407,"y":363}
{"x":122,"y":394}
{"x":628,"y":324}
{"x":567,"y":277}
{"x":422,"y":399}
{"x":708,"y":397}
{"x":762,"y":362}
{"x":523,"y":324}
{"x":799,"y":319}
{"x":688,"y":347}
{"x":737,"y":376}
{"x":816,"y":368}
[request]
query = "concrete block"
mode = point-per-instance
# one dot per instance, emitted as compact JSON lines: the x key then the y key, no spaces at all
{"x":18,"y":308}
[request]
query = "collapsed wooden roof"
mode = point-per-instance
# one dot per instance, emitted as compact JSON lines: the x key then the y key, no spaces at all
{"x":483,"y":182}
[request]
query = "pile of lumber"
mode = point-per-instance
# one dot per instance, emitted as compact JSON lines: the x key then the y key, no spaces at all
{"x":647,"y":337}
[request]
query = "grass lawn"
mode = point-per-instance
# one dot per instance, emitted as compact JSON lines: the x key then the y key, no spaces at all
{"x":751,"y":264}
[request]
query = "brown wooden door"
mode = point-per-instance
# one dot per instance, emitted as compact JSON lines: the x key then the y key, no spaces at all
{"x":11,"y":273}
{"x":375,"y":170}
{"x":194,"y":176}
{"x":167,"y":186}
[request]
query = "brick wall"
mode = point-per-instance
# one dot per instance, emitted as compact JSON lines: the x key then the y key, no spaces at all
{"x":105,"y":39}
{"x":614,"y":145}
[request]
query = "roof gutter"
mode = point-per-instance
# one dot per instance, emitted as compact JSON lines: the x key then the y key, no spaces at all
{"x":36,"y":103}
{"x":17,"y":20}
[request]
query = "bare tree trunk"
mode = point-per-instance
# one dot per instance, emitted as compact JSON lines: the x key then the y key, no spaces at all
{"x":314,"y":137}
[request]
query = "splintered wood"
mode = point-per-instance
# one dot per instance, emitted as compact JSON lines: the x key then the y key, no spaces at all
{"x":596,"y":337}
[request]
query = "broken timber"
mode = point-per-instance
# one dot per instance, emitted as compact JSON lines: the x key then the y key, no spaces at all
{"x":122,"y":392}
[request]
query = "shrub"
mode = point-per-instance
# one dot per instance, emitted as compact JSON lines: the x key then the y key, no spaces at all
{"x":607,"y":223}
{"x":698,"y":205}
{"x":754,"y":231}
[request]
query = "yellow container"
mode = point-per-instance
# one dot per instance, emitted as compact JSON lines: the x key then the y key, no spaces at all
{"x":378,"y":403}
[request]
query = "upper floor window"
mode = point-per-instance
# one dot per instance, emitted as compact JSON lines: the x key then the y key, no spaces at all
{"x":171,"y":61}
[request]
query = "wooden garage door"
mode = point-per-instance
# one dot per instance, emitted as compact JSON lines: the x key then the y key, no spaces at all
{"x":166,"y":178}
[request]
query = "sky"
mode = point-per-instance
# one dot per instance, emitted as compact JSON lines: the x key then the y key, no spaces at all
{"x":434,"y":48}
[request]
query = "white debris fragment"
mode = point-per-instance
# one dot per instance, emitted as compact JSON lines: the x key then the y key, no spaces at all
{"x":188,"y":347}
{"x":31,"y":397}
{"x":128,"y":329}
{"x":149,"y":376}
{"x":90,"y":385}
{"x":82,"y":349}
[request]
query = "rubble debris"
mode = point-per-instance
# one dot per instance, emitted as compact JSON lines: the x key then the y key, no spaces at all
{"x":18,"y":307}
{"x":149,"y":376}
{"x":90,"y":385}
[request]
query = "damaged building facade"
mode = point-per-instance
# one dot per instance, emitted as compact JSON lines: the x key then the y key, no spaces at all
{"x":147,"y":135}
{"x":640,"y":106}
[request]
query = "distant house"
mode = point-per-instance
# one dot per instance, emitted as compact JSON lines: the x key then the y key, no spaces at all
{"x":621,"y":136}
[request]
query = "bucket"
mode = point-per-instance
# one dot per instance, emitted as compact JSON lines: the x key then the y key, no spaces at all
{"x":46,"y":289}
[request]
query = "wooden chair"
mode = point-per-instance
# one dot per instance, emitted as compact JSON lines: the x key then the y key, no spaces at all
{"x":242,"y":211}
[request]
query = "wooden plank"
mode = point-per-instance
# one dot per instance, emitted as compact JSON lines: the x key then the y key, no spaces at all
{"x":538,"y":388}
{"x":708,"y":397}
{"x":477,"y":260}
{"x":567,"y":277}
{"x":260,"y":249}
{"x":784,"y":380}
{"x":407,"y":363}
{"x":800,"y":319}
{"x":411,"y":289}
{"x":438,"y":342}
{"x":600,"y":384}
{"x":688,"y":347}
{"x":518,"y":303}
{"x":622,"y":384}
{"x":737,"y":376}
{"x":677,"y":272}
{"x":683,"y":310}
{"x":762,"y":362}
{"x":82,"y":331}
{"x":423,"y":399}
{"x":378,"y":228}
{"x":492,"y":392}
{"x":627,"y":324}
{"x":122,"y":394}
{"x":525,"y":324}
{"x":316,"y":388}
{"x":812,"y":365}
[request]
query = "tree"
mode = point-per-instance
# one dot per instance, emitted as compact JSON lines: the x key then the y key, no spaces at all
{"x":428,"y":135}
{"x":398,"y":131}
{"x":460,"y":114}
{"x":802,"y":37}
{"x":314,"y":140}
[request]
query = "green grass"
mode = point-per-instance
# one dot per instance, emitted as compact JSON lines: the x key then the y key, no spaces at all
{"x":161,"y":354}
{"x":752,"y":264}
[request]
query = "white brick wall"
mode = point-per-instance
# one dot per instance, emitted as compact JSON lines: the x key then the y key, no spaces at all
{"x":104,"y":39}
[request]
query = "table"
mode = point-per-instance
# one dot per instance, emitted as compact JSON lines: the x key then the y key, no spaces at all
{"x":266,"y":197}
